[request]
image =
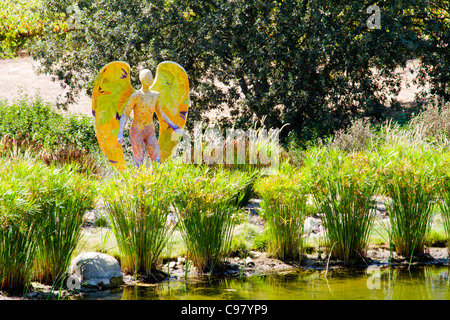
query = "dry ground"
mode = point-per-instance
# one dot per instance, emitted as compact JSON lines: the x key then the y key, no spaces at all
{"x":18,"y":76}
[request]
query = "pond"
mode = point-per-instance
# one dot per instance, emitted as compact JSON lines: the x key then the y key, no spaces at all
{"x":374,"y":283}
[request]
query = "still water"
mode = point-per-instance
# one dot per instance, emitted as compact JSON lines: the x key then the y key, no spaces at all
{"x":387,"y":283}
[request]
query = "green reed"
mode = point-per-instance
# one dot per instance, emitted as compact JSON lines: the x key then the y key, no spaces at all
{"x":18,"y":224}
{"x":284,"y":209}
{"x":63,"y":197}
{"x":410,"y":177}
{"x":206,"y":205}
{"x":206,"y":225}
{"x":138,"y":205}
{"x":344,"y":192}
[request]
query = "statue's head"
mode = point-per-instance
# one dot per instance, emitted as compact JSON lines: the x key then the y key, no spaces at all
{"x":146,"y":77}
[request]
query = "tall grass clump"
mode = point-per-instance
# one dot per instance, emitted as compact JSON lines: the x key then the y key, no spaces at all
{"x":206,"y":225}
{"x":434,"y":122}
{"x":207,"y":209}
{"x":138,"y":204}
{"x":359,"y":136}
{"x":344,"y":186}
{"x":444,"y":203}
{"x":284,"y":206}
{"x":18,"y":226}
{"x":63,"y":196}
{"x":410,"y":178}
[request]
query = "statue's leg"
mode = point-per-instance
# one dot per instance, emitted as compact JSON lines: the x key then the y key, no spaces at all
{"x":137,"y":146}
{"x":151,"y":143}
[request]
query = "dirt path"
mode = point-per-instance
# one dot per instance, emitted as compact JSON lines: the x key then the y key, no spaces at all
{"x":18,"y":76}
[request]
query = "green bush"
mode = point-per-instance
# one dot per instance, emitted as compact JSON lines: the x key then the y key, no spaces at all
{"x":41,"y":217}
{"x":409,"y":173}
{"x":19,"y":21}
{"x":63,"y":196}
{"x":284,"y":208}
{"x":206,"y":206}
{"x":344,"y":190}
{"x":138,"y":206}
{"x":315,"y":74}
{"x":18,"y":228}
{"x":37,"y":120}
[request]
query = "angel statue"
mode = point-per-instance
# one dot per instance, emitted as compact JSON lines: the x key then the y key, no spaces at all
{"x":113,"y":100}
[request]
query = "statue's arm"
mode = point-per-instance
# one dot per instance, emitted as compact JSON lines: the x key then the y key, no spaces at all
{"x":123,"y":119}
{"x":164,"y":116}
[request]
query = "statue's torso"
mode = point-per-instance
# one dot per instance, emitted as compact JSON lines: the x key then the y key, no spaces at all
{"x":144,"y":108}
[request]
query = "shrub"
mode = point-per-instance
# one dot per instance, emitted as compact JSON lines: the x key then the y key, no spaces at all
{"x":246,"y":55}
{"x":358,"y":137}
{"x":19,"y":21}
{"x":411,"y":179}
{"x":42,"y":211}
{"x":444,"y":198}
{"x":63,"y":196}
{"x":284,"y":209}
{"x":37,"y":120}
{"x":206,"y":225}
{"x":18,"y":227}
{"x":138,"y":207}
{"x":344,"y":192}
{"x":206,"y":204}
{"x":434,"y":122}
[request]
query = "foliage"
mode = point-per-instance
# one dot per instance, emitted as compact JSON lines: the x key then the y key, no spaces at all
{"x":206,"y":224}
{"x":39,"y":121}
{"x":18,"y":224}
{"x":344,"y":191}
{"x":19,"y":20}
{"x":410,"y":174}
{"x":63,"y":197}
{"x":284,"y":208}
{"x":434,"y":122}
{"x":138,"y":207}
{"x":309,"y":64}
{"x":206,"y":203}
{"x":358,"y":137}
{"x":41,"y":219}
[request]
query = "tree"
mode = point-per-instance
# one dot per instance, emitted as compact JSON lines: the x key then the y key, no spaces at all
{"x":307,"y":63}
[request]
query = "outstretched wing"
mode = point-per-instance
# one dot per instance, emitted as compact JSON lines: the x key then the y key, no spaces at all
{"x":112,"y":89}
{"x":171,"y":81}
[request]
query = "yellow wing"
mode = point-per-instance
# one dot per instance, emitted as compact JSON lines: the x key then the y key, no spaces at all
{"x":112,"y":89}
{"x":172,"y":83}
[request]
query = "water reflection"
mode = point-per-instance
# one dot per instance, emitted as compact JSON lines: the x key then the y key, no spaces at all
{"x":417,"y":283}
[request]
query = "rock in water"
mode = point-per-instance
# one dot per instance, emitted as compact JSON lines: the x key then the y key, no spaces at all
{"x":310,"y":224}
{"x":94,"y":271}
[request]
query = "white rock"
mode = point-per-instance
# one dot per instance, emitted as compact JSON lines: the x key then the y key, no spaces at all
{"x":309,"y":225}
{"x":94,"y":270}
